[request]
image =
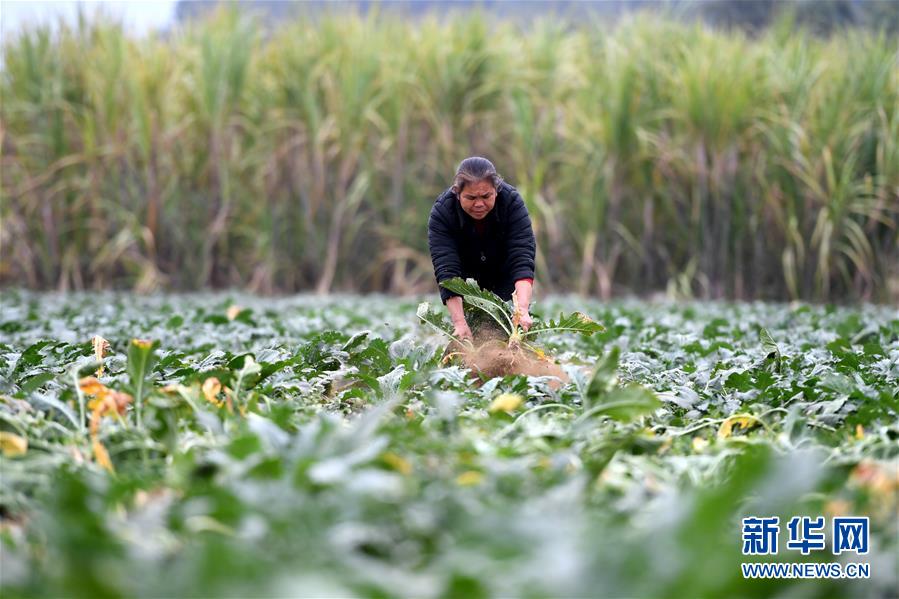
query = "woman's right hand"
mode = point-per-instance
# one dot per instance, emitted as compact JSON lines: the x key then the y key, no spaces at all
{"x":457,"y":315}
{"x":462,"y":332}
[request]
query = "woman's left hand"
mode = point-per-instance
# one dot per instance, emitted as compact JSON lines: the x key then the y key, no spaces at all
{"x":521,"y":298}
{"x":525,"y":320}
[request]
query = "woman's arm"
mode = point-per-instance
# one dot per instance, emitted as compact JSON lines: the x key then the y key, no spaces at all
{"x":521,"y":246}
{"x":447,"y":264}
{"x":523,"y":290}
{"x":522,"y":250}
{"x":457,"y":315}
{"x":444,"y":249}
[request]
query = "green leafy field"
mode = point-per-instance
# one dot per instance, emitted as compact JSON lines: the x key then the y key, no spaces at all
{"x":318,"y":446}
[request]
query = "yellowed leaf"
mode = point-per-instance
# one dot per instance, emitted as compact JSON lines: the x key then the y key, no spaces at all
{"x":92,"y":386}
{"x":101,"y":346}
{"x":12,"y":444}
{"x":507,"y":402}
{"x":175,"y":388}
{"x":398,"y":463}
{"x":469,"y":478}
{"x":108,"y":401}
{"x":211,"y":388}
{"x":740,"y":421}
{"x":101,"y":455}
{"x":233,"y":311}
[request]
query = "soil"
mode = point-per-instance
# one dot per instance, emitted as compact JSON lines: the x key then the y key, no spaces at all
{"x":491,"y":356}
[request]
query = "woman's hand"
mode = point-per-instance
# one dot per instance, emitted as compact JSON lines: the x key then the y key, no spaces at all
{"x":457,"y":315}
{"x":462,"y":332}
{"x":523,"y":290}
{"x":524,"y":319}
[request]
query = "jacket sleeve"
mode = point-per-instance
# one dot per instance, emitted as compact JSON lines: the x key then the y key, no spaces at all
{"x":444,"y":250}
{"x":521,"y":244}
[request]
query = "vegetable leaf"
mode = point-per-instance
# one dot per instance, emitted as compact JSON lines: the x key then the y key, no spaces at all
{"x":576,"y":322}
{"x":482,"y":299}
{"x":626,"y":403}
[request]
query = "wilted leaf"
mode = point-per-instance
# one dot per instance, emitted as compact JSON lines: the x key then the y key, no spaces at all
{"x":738,"y":421}
{"x":211,"y":389}
{"x":91,"y":385}
{"x":12,"y":445}
{"x":106,"y":400}
{"x":101,"y":456}
{"x":101,"y":346}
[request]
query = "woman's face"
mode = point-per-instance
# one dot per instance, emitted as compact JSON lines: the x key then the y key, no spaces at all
{"x":478,"y":198}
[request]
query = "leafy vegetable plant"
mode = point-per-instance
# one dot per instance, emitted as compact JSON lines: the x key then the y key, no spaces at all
{"x":506,"y":315}
{"x":320,"y":446}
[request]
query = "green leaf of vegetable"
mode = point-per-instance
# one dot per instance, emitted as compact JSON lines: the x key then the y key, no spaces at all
{"x":434,"y":319}
{"x":772,"y":352}
{"x":605,"y":377}
{"x":626,"y":403}
{"x":575,"y":322}
{"x":141,"y":358}
{"x":484,"y":300}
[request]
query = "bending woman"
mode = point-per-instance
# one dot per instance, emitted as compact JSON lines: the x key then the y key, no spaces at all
{"x":479,"y":228}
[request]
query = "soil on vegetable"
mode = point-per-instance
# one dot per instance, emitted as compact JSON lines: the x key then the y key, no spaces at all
{"x":491,"y":356}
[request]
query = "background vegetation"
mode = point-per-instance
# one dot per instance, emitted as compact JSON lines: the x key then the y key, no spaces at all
{"x":655,"y":155}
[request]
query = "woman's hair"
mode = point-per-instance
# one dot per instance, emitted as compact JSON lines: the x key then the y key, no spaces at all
{"x":474,"y":169}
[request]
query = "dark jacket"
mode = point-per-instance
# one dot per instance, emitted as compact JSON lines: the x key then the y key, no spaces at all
{"x":502,"y":254}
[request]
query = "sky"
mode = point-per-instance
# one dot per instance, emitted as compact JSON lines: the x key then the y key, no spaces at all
{"x":138,"y":16}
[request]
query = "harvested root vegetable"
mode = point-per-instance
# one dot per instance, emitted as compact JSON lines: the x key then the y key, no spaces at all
{"x":492,"y":358}
{"x":501,"y":347}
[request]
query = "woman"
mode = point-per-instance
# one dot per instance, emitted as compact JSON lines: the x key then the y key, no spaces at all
{"x":480,"y":228}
